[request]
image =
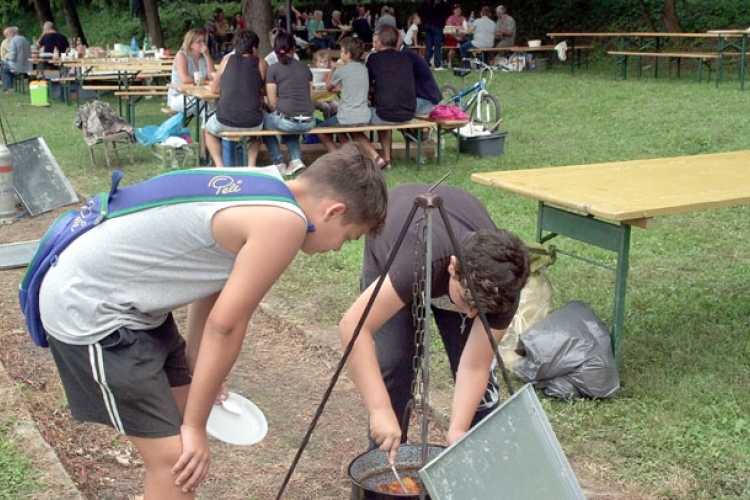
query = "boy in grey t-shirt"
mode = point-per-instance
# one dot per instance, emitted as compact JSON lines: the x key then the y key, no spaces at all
{"x":351,"y":81}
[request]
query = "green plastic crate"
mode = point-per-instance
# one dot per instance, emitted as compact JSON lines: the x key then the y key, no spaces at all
{"x":185,"y":156}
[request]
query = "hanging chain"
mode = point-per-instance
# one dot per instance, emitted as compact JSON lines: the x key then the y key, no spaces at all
{"x":419,"y":305}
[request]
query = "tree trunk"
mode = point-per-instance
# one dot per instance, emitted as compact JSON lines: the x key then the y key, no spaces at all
{"x":153,"y":23}
{"x":74,"y":24}
{"x":43,"y":13}
{"x":646,"y":16}
{"x":261,"y":21}
{"x":671,"y":20}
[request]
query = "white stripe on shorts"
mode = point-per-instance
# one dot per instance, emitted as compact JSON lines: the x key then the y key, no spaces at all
{"x":97,"y":369}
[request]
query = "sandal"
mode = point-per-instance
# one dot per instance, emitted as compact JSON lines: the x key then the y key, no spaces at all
{"x":382,"y":164}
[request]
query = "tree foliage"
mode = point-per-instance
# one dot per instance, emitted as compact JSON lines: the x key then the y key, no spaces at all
{"x":107,"y":21}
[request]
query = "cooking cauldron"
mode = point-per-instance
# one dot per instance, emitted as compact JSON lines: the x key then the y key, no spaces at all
{"x":371,"y":469}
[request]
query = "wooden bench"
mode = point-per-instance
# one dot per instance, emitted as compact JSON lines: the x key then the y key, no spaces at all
{"x":417,"y":124}
{"x":671,"y":56}
{"x":135,"y":94}
{"x":577,"y":53}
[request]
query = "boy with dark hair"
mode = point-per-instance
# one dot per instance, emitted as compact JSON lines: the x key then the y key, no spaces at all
{"x":106,"y":304}
{"x":381,"y":362}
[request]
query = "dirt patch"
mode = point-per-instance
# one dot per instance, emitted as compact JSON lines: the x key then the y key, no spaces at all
{"x":282,"y":369}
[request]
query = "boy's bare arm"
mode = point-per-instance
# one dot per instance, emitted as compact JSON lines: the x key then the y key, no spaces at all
{"x":363,"y":364}
{"x":471,"y":379}
{"x":196,"y":322}
{"x":265,"y":240}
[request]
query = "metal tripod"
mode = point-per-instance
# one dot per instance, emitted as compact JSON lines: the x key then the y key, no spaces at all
{"x":428,"y":203}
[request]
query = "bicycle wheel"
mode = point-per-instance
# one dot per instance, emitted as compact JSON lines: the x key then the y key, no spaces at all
{"x":448,"y":92}
{"x":486,"y":111}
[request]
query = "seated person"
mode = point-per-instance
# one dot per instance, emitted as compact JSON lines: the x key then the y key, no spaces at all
{"x":289,"y":93}
{"x":325,"y":101}
{"x":505,"y":28}
{"x":239,"y":83}
{"x":386,"y":18}
{"x":192,"y":57}
{"x":426,"y":88}
{"x":484,"y":36}
{"x":361,"y":25}
{"x":391,"y":103}
{"x":219,"y":30}
{"x":317,"y":38}
{"x":51,"y":40}
{"x":17,"y":62}
{"x":410,"y":37}
{"x":350,"y":79}
{"x":457,"y":21}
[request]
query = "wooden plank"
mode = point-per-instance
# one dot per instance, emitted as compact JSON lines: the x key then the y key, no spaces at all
{"x":637,"y":189}
{"x":332,"y":130}
{"x":675,"y":55}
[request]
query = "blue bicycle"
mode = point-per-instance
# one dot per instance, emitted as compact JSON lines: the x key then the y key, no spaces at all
{"x":482,"y":107}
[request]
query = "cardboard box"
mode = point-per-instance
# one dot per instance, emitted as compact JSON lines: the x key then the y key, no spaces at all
{"x":39,"y":93}
{"x":186,"y":156}
{"x":483,"y":145}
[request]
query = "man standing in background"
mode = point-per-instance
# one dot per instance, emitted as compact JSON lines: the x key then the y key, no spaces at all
{"x":505,"y":33}
{"x":434,"y":13}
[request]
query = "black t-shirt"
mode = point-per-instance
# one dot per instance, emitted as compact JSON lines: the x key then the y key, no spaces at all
{"x":466,"y":214}
{"x":240,"y":97}
{"x":390,"y":73}
{"x":425,"y":85}
{"x":49,"y":41}
{"x":362,"y":29}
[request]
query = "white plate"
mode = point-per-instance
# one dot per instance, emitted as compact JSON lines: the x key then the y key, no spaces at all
{"x":46,"y":55}
{"x":237,"y":421}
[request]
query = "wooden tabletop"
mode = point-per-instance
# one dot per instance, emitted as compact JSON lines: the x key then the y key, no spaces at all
{"x":652,"y":34}
{"x":635,"y":191}
{"x":202,"y":92}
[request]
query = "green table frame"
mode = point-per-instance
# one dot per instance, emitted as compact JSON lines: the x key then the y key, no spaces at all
{"x":553,"y":222}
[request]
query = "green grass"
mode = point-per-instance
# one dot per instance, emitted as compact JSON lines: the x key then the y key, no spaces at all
{"x":16,"y":472}
{"x":680,"y":427}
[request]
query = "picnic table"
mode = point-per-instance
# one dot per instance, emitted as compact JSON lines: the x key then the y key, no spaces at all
{"x":598,"y":204}
{"x":730,"y":43}
{"x":203,"y":98}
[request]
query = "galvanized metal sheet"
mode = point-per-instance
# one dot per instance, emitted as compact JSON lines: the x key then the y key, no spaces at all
{"x":512,"y":454}
{"x":17,"y":254}
{"x":38,"y":179}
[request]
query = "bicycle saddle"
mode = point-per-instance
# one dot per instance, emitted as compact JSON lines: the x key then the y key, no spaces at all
{"x":462,"y":72}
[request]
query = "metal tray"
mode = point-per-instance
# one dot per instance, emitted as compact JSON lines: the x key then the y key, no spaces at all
{"x":513,"y":454}
{"x":17,"y":254}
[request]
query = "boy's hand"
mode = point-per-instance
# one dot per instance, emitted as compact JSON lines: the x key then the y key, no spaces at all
{"x":386,"y":432}
{"x":222,"y":395}
{"x":192,"y":466}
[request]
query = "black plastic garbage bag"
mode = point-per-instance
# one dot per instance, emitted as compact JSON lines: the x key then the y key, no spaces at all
{"x":569,"y":355}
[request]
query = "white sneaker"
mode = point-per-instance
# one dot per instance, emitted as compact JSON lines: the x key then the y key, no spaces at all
{"x":439,"y":68}
{"x":281,"y":167}
{"x":294,"y":167}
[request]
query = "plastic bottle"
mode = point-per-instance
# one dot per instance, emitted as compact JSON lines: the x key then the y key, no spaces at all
{"x":55,"y":53}
{"x":146,"y":43}
{"x":472,"y":19}
{"x":134,"y":47}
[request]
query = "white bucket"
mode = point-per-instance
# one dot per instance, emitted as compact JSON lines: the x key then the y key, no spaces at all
{"x":7,"y":195}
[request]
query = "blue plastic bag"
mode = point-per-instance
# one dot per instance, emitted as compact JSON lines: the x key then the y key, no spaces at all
{"x":152,"y":134}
